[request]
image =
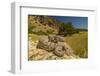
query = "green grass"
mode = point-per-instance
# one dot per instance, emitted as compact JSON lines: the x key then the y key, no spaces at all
{"x":79,"y":43}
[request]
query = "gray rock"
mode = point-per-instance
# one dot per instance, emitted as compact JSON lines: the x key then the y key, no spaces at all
{"x":52,"y":38}
{"x":59,"y":38}
{"x":54,"y":43}
{"x":59,"y":51}
{"x":55,"y":39}
{"x":51,"y":46}
{"x":43,"y":43}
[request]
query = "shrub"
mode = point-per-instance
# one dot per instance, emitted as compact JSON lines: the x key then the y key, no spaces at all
{"x":66,"y":29}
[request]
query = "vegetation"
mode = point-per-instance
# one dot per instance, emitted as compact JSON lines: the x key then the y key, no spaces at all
{"x":79,"y":44}
{"x":66,"y":29}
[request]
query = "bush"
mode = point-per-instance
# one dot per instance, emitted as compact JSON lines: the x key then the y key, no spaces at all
{"x":66,"y":29}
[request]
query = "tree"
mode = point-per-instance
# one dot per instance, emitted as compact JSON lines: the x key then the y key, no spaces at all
{"x":66,"y":29}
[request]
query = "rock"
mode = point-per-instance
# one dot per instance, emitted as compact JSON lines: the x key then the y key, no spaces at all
{"x":55,"y":39}
{"x":69,"y":52}
{"x":59,"y":38}
{"x":39,"y":57}
{"x":42,"y":43}
{"x":35,"y":52}
{"x":41,"y":51}
{"x":72,"y":57}
{"x":67,"y":49}
{"x":51,"y":38}
{"x":45,"y":57}
{"x":59,"y":51}
{"x":51,"y":46}
{"x":61,"y":48}
{"x":53,"y":57}
{"x":45,"y":44}
{"x":30,"y":54}
{"x":49,"y":43}
{"x":65,"y":56}
{"x":55,"y":44}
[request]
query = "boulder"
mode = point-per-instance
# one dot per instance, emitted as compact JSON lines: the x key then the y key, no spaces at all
{"x":55,"y":39}
{"x":43,"y":43}
{"x":59,"y":51}
{"x":59,"y":38}
{"x":51,"y":46}
{"x":55,"y":44}
{"x":52,"y":38}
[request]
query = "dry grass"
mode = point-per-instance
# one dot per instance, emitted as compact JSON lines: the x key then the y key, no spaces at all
{"x":79,"y":43}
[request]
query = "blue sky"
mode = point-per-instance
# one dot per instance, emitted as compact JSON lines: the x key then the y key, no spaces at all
{"x":78,"y":22}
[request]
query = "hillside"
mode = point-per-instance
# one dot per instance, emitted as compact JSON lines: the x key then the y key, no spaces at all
{"x":42,"y":25}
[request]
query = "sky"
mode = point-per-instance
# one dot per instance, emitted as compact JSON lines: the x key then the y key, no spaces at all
{"x":78,"y":22}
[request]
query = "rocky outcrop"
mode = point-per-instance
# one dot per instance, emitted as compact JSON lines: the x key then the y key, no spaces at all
{"x":56,"y":44}
{"x":41,"y":54}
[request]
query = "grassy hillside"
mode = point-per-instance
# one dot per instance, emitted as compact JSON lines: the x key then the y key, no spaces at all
{"x":79,"y":43}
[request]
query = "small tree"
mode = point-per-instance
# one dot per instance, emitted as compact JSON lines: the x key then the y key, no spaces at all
{"x":66,"y":29}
